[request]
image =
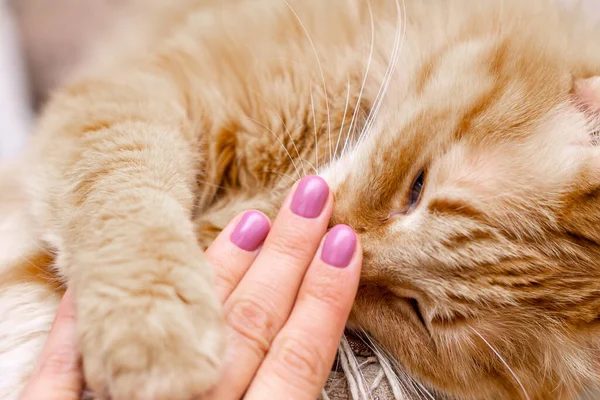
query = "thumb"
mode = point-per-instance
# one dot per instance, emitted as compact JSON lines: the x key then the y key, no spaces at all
{"x":57,"y":374}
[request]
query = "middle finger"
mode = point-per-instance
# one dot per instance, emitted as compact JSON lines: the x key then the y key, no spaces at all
{"x":260,"y":305}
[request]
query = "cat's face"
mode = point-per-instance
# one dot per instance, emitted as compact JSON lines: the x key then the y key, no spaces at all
{"x":476,"y":198}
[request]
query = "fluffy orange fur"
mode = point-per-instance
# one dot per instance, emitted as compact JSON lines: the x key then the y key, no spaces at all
{"x":489,"y":288}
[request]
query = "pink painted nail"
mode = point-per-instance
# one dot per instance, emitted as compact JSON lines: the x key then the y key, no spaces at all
{"x":310,"y":197}
{"x":251,"y":231}
{"x":339,"y":246}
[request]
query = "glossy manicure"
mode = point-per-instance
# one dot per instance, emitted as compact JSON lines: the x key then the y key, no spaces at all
{"x":339,"y":246}
{"x":251,"y":231}
{"x":310,"y":197}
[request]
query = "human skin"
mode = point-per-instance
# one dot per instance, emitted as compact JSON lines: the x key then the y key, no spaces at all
{"x":313,"y":291}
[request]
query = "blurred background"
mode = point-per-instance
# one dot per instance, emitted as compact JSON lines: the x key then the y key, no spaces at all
{"x":41,"y":40}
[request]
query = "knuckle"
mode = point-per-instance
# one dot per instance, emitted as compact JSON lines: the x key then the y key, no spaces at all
{"x":326,"y":291}
{"x":294,"y":245}
{"x":253,"y":322}
{"x":60,"y":361}
{"x":299,"y":362}
{"x":225,"y":278}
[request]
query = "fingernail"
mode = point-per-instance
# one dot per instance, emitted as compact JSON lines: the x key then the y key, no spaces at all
{"x":310,"y":197}
{"x":339,"y":246}
{"x":251,"y":231}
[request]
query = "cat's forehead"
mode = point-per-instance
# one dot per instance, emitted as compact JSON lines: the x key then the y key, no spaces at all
{"x":469,"y":104}
{"x":487,"y":88}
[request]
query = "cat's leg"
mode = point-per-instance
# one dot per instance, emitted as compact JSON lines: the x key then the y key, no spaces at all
{"x":117,"y":178}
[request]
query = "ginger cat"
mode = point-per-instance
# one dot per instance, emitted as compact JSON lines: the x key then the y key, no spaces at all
{"x":458,"y":137}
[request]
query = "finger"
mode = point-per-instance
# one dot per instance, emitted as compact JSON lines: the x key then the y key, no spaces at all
{"x":57,"y":375}
{"x":235,"y":249}
{"x":261,"y":303}
{"x":302,"y":354}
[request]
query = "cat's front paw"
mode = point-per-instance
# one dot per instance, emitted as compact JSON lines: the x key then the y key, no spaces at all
{"x":161,"y":344}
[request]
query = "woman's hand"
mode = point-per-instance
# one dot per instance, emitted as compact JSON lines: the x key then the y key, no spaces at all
{"x":58,"y":375}
{"x":287,"y":291}
{"x":286,"y":305}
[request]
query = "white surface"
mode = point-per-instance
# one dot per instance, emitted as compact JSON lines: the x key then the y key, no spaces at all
{"x":16,"y":115}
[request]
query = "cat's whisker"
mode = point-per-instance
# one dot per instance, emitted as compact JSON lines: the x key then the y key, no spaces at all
{"x":348,"y":144}
{"x":398,"y":386}
{"x":312,"y":167}
{"x":398,"y":44}
{"x":312,"y":104}
{"x":365,"y":76}
{"x":40,"y":273}
{"x":283,"y":175}
{"x":211,"y":184}
{"x":402,"y":22}
{"x":45,"y":274}
{"x":196,"y":206}
{"x":516,"y":378}
{"x":312,"y":44}
{"x":384,"y":357}
{"x":343,"y":119}
{"x":287,"y":131}
{"x":422,"y":390}
{"x":46,"y":250}
{"x":280,"y":142}
{"x":381,"y":356}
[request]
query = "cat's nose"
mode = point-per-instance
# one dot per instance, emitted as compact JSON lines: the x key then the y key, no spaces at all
{"x":346,"y":211}
{"x":341,"y":215}
{"x":345,"y":208}
{"x":336,"y":215}
{"x":331,"y":224}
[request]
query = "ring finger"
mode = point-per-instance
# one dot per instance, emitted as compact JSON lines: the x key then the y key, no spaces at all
{"x":234,"y":250}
